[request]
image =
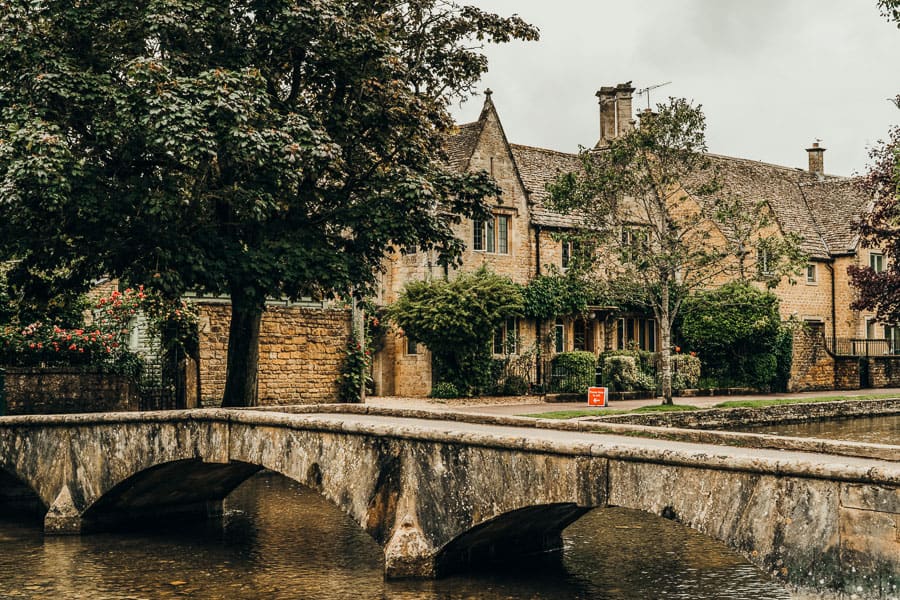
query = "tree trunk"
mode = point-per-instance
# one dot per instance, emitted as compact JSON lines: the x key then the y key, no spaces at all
{"x":243,"y":352}
{"x":665,"y":345}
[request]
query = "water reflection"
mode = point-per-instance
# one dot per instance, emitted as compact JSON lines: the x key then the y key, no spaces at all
{"x":874,"y":430}
{"x":279,"y":540}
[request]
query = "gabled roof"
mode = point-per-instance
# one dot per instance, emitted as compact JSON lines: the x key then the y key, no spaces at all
{"x":821,"y":211}
{"x":780,"y":188}
{"x":836,"y":205}
{"x":539,"y":167}
{"x":461,"y":143}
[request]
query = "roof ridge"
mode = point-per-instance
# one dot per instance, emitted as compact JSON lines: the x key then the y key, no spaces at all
{"x":549,"y":150}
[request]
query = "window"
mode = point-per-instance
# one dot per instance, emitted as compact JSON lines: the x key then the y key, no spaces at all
{"x":412,"y":347}
{"x":763,"y":260}
{"x":492,"y":235}
{"x":634,"y":243}
{"x":570,"y":251}
{"x":559,"y":336}
{"x":811,"y":275}
{"x":583,"y":335}
{"x":876,"y":262}
{"x":636,"y":333}
{"x":506,"y":337}
{"x":892,"y":335}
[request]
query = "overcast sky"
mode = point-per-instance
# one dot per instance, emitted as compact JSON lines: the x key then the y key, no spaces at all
{"x":772,"y":75}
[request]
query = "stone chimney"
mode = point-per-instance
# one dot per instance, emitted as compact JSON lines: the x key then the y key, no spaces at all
{"x":816,"y":159}
{"x":615,"y":112}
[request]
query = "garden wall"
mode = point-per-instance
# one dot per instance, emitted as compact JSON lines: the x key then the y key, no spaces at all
{"x":301,"y":349}
{"x":61,"y":390}
{"x":814,"y":368}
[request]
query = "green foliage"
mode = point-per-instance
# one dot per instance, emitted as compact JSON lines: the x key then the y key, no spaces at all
{"x":552,"y":296}
{"x":455,"y":320}
{"x":620,"y":373}
{"x":573,"y":372}
{"x":736,"y":330}
{"x":444,"y":389}
{"x":784,"y":358}
{"x":646,"y":361}
{"x":687,"y":370}
{"x":354,"y":370}
{"x":251,"y":148}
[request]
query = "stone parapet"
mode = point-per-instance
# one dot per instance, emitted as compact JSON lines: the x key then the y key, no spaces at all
{"x":62,"y":390}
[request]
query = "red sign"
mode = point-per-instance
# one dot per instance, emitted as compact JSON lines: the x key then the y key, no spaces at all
{"x":597,"y":396}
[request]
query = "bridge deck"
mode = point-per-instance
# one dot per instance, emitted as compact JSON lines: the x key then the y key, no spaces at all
{"x":640,"y":448}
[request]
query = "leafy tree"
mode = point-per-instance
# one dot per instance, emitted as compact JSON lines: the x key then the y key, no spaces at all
{"x":736,"y":329}
{"x":880,"y":227}
{"x":653,"y":201}
{"x":891,"y":10}
{"x":255,"y":148}
{"x":456,"y":320}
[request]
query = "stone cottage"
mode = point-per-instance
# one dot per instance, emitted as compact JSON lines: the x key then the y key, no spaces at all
{"x":522,"y":241}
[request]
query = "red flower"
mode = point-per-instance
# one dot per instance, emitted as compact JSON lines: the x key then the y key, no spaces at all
{"x":677,"y":348}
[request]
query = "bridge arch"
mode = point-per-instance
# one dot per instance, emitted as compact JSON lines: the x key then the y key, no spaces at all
{"x":18,"y":497}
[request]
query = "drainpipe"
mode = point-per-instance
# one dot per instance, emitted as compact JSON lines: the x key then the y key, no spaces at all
{"x":539,"y":324}
{"x":830,"y":268}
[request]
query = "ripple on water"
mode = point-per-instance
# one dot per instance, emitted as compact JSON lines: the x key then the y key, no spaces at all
{"x":279,"y":540}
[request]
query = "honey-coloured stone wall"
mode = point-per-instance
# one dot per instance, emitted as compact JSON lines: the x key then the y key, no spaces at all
{"x":301,"y":350}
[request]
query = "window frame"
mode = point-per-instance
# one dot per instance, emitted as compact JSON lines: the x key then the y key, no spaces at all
{"x":503,"y":343}
{"x":880,"y":262}
{"x":812,"y":274}
{"x":494,"y":235}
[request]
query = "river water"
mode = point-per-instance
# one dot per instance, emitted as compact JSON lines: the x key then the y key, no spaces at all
{"x":873,"y":430}
{"x":279,"y":540}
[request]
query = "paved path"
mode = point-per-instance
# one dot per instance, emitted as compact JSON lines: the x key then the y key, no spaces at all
{"x":532,"y":404}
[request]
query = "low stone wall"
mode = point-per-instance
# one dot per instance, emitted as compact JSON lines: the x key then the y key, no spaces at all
{"x":723,"y":418}
{"x":43,"y":391}
{"x":300,"y":353}
{"x":884,"y":371}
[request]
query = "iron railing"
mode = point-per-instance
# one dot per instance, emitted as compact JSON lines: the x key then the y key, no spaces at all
{"x":863,"y":346}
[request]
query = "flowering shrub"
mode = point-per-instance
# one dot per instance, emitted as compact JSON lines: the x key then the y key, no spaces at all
{"x":101,"y":343}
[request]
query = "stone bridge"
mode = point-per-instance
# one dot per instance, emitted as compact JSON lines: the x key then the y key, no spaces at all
{"x":439,"y":495}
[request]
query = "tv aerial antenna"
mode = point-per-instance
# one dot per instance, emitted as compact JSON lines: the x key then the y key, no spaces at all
{"x":646,"y":91}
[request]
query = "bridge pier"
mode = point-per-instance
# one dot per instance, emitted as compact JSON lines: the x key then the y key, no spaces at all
{"x":408,"y":555}
{"x":63,"y":517}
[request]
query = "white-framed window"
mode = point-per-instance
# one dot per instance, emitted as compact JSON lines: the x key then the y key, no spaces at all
{"x":812,"y":275}
{"x":763,"y":261}
{"x":876,"y":262}
{"x":492,"y":236}
{"x":506,"y":337}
